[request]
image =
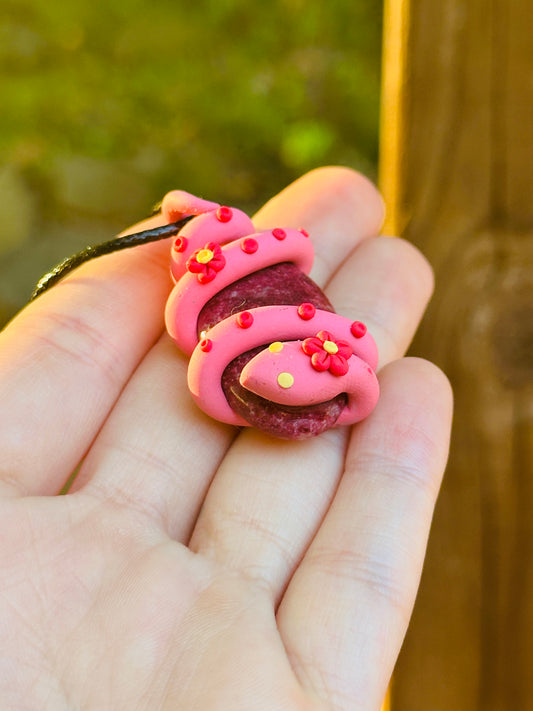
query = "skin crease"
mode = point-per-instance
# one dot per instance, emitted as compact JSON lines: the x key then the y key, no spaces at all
{"x":189,"y":568}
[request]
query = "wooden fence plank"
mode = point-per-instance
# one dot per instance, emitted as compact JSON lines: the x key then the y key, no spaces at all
{"x":457,"y":173}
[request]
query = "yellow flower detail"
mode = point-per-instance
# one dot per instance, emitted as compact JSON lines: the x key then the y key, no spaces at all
{"x":204,"y":256}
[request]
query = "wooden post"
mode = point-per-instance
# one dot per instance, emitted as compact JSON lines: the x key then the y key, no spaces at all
{"x":457,"y":174}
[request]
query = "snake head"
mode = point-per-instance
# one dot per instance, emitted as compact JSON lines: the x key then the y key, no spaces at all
{"x":286,"y":374}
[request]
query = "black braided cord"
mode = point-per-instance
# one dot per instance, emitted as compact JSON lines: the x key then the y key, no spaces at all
{"x":113,"y":245}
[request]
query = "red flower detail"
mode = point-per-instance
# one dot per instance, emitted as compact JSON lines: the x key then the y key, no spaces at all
{"x":206,"y":262}
{"x":327,"y":353}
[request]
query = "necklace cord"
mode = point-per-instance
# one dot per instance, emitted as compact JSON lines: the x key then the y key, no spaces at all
{"x":113,"y":245}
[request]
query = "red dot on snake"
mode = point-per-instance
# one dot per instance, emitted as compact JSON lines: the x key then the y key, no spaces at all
{"x":249,"y":245}
{"x":279,"y":233}
{"x":180,"y":244}
{"x":304,"y":232}
{"x":224,"y":214}
{"x":245,"y":319}
{"x":358,"y":329}
{"x":206,"y":345}
{"x":306,"y":311}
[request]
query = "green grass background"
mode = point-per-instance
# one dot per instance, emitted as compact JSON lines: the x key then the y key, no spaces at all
{"x":107,"y":106}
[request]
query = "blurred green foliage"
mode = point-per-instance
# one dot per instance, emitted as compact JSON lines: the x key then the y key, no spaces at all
{"x":106,"y":106}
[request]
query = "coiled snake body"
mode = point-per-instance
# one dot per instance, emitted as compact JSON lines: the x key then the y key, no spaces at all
{"x":266,"y":348}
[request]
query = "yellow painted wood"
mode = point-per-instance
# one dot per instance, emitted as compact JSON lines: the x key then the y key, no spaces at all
{"x":394,"y":60}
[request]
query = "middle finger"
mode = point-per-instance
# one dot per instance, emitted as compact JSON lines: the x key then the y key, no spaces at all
{"x":157,"y":452}
{"x":268,"y":500}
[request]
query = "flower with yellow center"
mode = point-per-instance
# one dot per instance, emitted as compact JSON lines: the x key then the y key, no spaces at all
{"x":206,"y":262}
{"x":328,"y":353}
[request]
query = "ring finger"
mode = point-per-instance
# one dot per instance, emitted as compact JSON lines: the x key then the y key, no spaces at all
{"x":268,"y":499}
{"x":339,"y":206}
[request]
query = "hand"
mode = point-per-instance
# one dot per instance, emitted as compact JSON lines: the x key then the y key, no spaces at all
{"x":190,"y":569}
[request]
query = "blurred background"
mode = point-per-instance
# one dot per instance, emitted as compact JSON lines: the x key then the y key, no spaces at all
{"x":107,"y":106}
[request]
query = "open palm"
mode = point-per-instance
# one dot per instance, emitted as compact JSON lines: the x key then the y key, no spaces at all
{"x":191,"y":568}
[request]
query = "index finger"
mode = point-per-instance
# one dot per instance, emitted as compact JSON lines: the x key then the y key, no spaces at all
{"x":187,"y":448}
{"x":66,"y":357}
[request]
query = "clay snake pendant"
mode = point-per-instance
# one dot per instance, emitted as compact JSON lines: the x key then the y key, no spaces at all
{"x":266,"y":348}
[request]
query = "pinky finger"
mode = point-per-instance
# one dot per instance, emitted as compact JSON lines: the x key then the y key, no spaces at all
{"x":346,"y":610}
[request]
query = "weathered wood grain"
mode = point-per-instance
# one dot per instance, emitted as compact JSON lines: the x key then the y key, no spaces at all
{"x":457,"y":173}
